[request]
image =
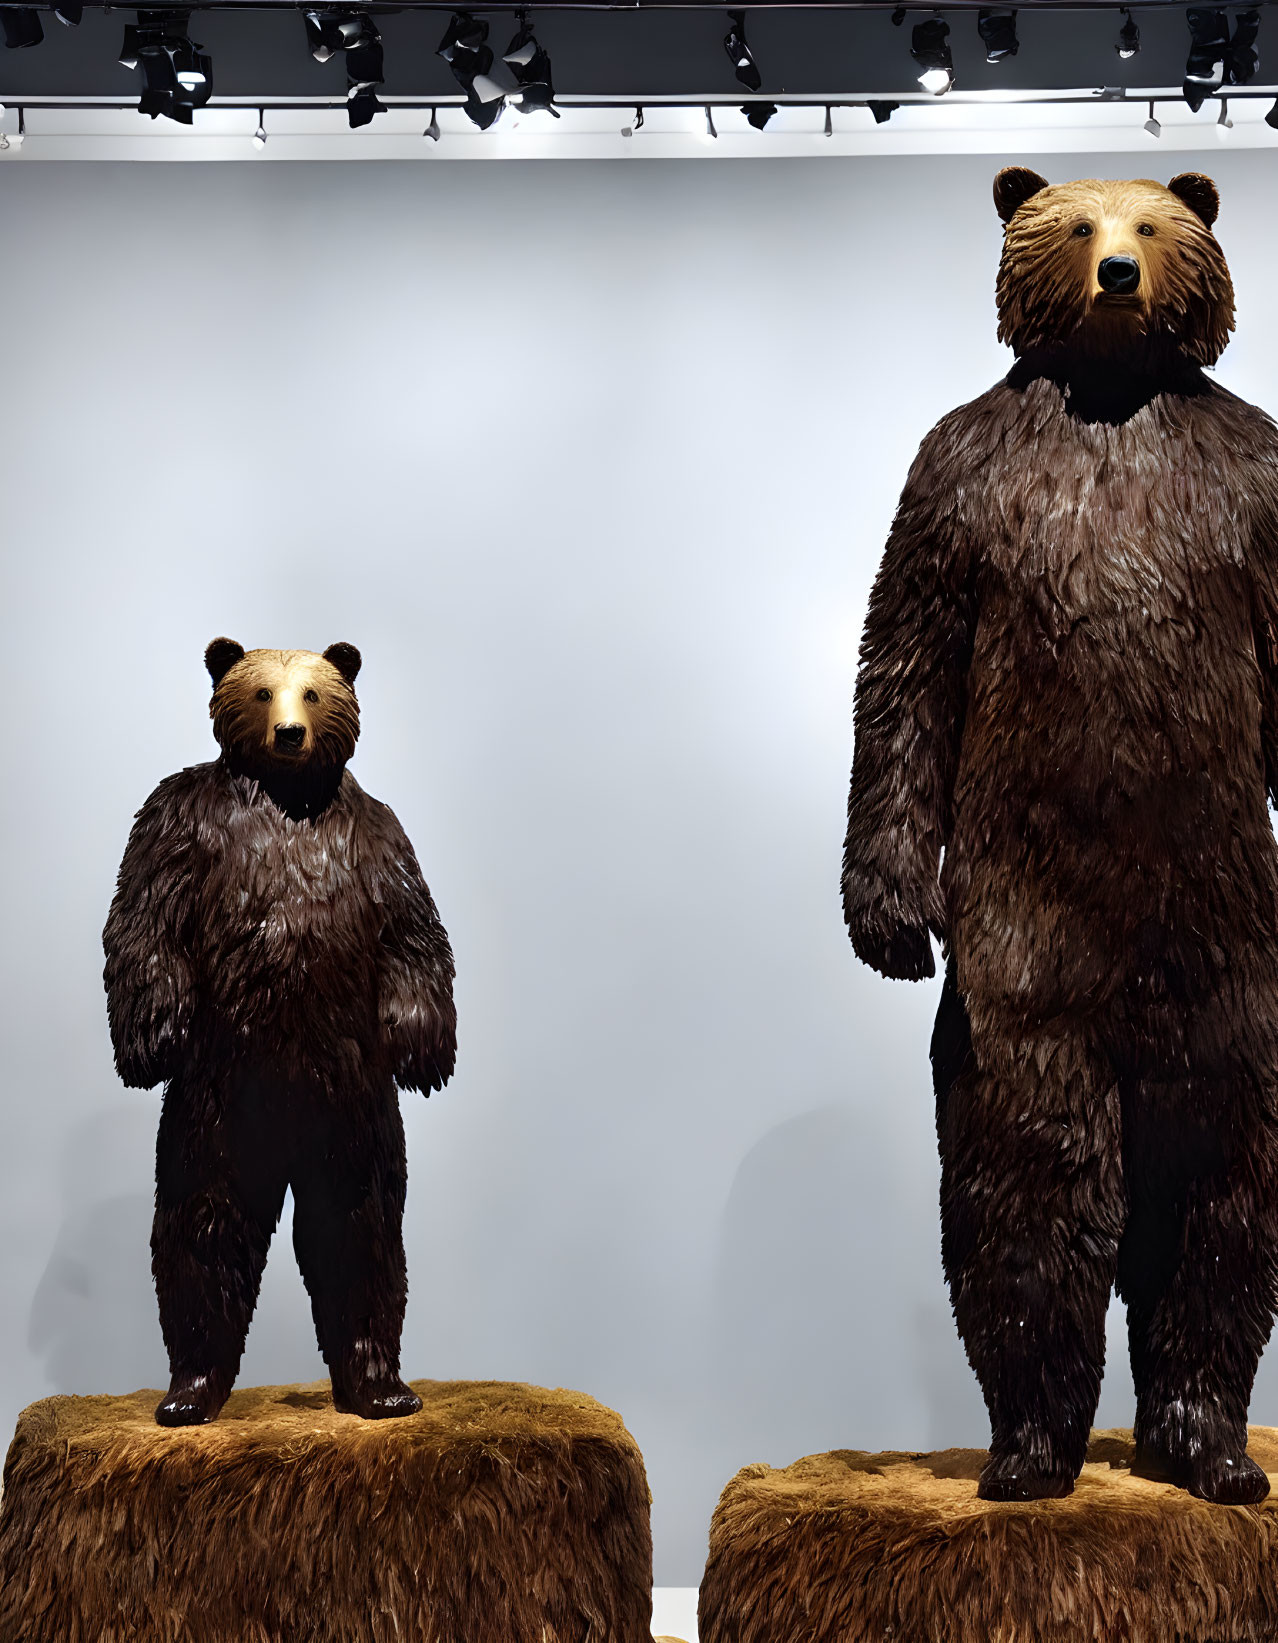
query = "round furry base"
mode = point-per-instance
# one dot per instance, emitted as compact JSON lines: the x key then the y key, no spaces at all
{"x":498,"y":1514}
{"x":848,"y":1547}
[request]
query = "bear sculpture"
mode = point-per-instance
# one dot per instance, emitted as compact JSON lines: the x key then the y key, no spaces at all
{"x":1066,"y":731}
{"x":275,"y":959}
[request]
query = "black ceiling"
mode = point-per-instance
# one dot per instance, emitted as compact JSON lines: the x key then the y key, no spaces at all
{"x":638,"y":51}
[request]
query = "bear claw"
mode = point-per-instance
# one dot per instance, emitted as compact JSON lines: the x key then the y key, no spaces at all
{"x":191,"y":1400}
{"x":386,"y":1398}
{"x":1221,"y":1480}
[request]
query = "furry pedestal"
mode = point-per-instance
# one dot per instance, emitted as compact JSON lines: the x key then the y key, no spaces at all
{"x":848,"y":1547}
{"x":499,"y":1514}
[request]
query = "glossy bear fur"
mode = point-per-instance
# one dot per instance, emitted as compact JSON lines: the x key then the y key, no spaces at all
{"x":1066,"y":734}
{"x":274,"y":957}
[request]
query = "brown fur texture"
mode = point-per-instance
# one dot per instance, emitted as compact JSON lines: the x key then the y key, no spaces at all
{"x":1066,"y":727}
{"x":499,"y":1514}
{"x":274,"y":956}
{"x":849,"y":1547}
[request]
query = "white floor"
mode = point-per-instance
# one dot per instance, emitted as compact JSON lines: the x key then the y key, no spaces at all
{"x":674,"y":1612}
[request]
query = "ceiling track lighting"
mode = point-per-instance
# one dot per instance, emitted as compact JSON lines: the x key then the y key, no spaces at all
{"x":1224,"y":124}
{"x":738,"y":49}
{"x":635,"y":125}
{"x":1128,"y":43}
{"x":432,"y":130}
{"x":829,"y":121}
{"x":930,"y":49}
{"x":997,"y":29}
{"x":466,"y":50}
{"x":1153,"y":125}
{"x":530,"y":65}
{"x":758,"y":114}
{"x":331,"y":31}
{"x":259,"y":136}
{"x":710,"y":130}
{"x":22,"y":27}
{"x":177,"y":70}
{"x":1216,"y":58}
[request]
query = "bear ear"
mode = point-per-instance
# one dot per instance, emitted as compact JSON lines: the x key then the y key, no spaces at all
{"x":220,"y":657}
{"x":346,"y":659}
{"x":1199,"y":194}
{"x":1013,"y":186}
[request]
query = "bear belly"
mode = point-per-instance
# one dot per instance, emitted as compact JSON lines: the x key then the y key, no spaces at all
{"x":1110,"y":828}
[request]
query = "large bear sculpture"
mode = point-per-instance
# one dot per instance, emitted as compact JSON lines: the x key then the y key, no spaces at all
{"x":1066,"y":731}
{"x":274,"y":958}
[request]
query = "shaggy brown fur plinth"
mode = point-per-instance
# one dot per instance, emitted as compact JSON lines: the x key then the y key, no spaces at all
{"x":848,"y":1547}
{"x":499,"y":1514}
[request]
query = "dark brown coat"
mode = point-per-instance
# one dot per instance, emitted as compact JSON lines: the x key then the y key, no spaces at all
{"x":1066,"y":728}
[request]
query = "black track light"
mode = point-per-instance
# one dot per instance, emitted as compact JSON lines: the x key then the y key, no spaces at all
{"x":738,"y":49}
{"x":466,"y":50}
{"x":881,"y":111}
{"x":997,"y":29}
{"x":1208,"y":50}
{"x":177,"y":70}
{"x":930,"y":49}
{"x":529,"y":63}
{"x":432,"y":130}
{"x":758,"y":114}
{"x":22,"y":27}
{"x":331,"y":31}
{"x":1128,"y":43}
{"x":710,"y":126}
{"x":1244,"y":59}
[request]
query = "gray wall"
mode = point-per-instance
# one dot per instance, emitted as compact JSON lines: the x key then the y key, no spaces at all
{"x":595,"y":464}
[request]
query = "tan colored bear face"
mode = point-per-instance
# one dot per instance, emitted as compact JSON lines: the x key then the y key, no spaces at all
{"x":284,"y":709}
{"x":1112,"y":269}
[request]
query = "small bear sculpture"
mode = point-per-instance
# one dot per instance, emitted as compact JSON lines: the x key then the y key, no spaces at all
{"x":274,"y":958}
{"x":1068,"y":689}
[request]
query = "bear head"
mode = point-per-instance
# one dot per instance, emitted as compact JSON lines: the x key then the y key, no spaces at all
{"x":1128,"y":271}
{"x":277,"y":712}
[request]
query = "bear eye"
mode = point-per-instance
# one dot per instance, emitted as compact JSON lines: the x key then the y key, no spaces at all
{"x":311,"y":696}
{"x":263,"y":695}
{"x":1082,"y":231}
{"x":1145,"y":228}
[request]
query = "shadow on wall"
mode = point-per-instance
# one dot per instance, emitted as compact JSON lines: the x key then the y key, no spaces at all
{"x":94,"y":1322}
{"x":829,"y":1238}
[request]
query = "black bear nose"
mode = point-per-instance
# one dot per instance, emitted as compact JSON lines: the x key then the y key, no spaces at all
{"x":290,"y":735}
{"x":1118,"y":274}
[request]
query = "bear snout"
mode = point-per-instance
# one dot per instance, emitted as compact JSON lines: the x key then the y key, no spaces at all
{"x":1118,"y":276}
{"x":289,"y":738}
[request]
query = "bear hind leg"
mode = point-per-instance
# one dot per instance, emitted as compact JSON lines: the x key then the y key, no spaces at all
{"x":349,"y":1185}
{"x":1031,"y":1210}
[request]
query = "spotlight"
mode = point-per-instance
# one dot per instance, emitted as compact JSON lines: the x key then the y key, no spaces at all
{"x":466,"y":50}
{"x":259,"y":136}
{"x":354,"y":34}
{"x":758,"y":114}
{"x":1244,"y":59}
{"x":1224,"y":125}
{"x":930,"y":48}
{"x":635,"y":125}
{"x":178,"y":72}
{"x":1209,"y":47}
{"x":710,"y":131}
{"x":1152,"y":124}
{"x":1128,"y":36}
{"x":998,"y":30}
{"x":829,"y":121}
{"x":530,"y":65}
{"x":1271,"y":119}
{"x":22,"y":26}
{"x":882,"y":111}
{"x":737,"y":48}
{"x":432,"y":130}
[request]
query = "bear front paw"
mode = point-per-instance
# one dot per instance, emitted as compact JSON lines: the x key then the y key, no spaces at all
{"x":903,"y":953}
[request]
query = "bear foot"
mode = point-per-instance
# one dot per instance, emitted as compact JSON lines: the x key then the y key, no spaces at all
{"x":375,"y":1398}
{"x":1219,"y":1479}
{"x":1018,"y":1476}
{"x":191,"y":1400}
